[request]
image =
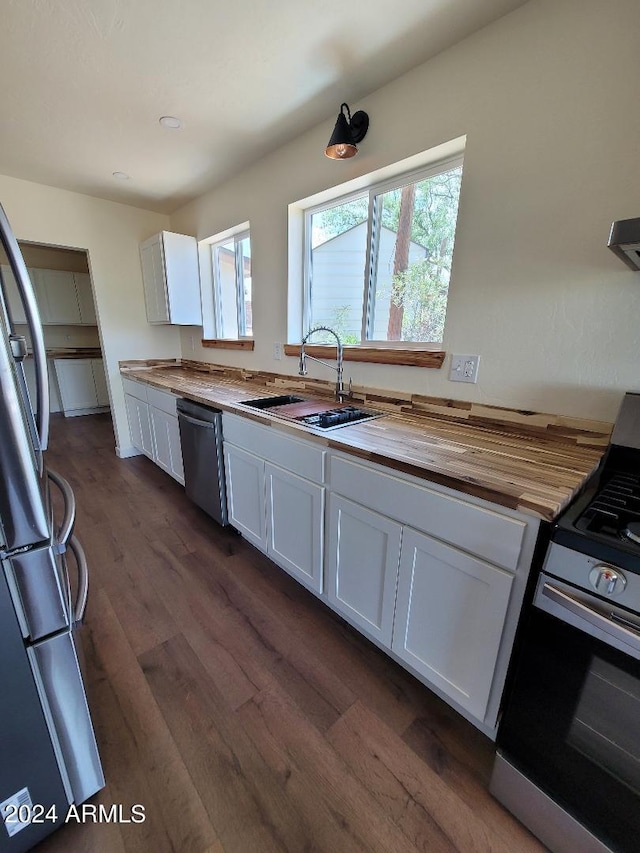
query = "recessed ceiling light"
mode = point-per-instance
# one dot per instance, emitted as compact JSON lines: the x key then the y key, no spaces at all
{"x":121,"y":176}
{"x":172,"y":122}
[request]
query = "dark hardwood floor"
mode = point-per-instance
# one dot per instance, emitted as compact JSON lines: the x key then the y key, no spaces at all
{"x":236,"y":708}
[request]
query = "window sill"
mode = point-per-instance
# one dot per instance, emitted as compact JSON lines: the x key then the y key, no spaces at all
{"x":227,"y":343}
{"x":377,"y":355}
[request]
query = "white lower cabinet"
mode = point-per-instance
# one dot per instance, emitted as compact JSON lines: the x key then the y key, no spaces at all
{"x":295,"y":509}
{"x":450,"y":614}
{"x":245,"y":494}
{"x":139,"y":424}
{"x":363,"y":553}
{"x":279,"y":508}
{"x":82,"y":384}
{"x":166,"y":442}
{"x":278,"y":512}
{"x":153,"y":424}
{"x":434,"y":576}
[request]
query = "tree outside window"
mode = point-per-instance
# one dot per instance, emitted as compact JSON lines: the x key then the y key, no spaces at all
{"x":380,"y":262}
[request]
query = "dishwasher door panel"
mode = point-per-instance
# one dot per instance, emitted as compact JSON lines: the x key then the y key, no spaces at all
{"x":201,"y":440}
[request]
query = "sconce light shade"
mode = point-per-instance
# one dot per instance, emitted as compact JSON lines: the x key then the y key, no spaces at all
{"x":346,"y":134}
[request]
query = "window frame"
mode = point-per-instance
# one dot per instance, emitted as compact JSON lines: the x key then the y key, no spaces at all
{"x":374,"y":192}
{"x":212,"y":312}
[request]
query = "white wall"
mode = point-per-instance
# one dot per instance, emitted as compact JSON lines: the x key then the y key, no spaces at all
{"x":547,"y":97}
{"x":110,"y":233}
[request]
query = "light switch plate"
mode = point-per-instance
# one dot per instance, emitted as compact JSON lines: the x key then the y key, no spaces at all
{"x":277,"y":351}
{"x":464,"y":368}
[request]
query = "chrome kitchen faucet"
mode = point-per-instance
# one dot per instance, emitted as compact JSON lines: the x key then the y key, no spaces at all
{"x":302,"y":369}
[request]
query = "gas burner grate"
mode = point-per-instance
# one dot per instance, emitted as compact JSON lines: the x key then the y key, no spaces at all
{"x":615,"y":506}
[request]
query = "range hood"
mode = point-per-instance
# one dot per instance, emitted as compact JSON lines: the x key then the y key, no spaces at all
{"x":624,"y":240}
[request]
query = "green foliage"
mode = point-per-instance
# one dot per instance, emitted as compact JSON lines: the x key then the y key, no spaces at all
{"x":336,"y":220}
{"x":423,"y":296}
{"x":339,"y":323}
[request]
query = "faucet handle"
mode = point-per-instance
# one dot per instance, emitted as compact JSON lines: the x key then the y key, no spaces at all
{"x":350,"y":391}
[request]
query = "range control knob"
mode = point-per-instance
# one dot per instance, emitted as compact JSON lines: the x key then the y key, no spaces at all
{"x":606,"y":580}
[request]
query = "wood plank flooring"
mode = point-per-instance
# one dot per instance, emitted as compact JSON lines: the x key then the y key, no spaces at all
{"x":236,"y":708}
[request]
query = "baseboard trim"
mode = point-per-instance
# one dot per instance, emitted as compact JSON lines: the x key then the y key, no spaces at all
{"x":127,"y":452}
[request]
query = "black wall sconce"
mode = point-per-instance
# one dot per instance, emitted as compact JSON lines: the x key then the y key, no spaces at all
{"x":346,"y":134}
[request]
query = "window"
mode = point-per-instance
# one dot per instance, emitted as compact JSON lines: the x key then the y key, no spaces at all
{"x":230,"y":260}
{"x":378,"y":262}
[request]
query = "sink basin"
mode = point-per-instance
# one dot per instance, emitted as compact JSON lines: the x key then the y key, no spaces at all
{"x":272,"y":402}
{"x":314,"y":413}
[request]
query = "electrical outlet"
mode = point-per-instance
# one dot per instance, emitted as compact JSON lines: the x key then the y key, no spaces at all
{"x":193,"y":343}
{"x":277,"y":351}
{"x":464,"y":368}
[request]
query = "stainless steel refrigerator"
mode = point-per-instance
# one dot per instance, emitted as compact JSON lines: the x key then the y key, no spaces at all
{"x":48,"y":754}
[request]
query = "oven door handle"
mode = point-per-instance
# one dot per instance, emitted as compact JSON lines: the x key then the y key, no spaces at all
{"x":568,"y":608}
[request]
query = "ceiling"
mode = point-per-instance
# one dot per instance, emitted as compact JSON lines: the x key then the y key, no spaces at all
{"x":85,"y":82}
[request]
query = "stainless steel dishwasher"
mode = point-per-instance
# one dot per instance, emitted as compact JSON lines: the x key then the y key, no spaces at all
{"x":201,"y":439}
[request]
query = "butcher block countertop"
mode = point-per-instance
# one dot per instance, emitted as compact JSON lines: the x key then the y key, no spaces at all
{"x":526,"y":461}
{"x":71,"y":352}
{"x":74,"y":352}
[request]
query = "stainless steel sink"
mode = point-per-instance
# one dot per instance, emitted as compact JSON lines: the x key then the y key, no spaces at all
{"x":324,"y":416}
{"x":273,"y":402}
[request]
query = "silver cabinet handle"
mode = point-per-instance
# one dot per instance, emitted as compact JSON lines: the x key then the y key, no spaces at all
{"x":83,"y":579}
{"x":32,"y":314}
{"x":66,"y":528}
{"x":627,"y":635}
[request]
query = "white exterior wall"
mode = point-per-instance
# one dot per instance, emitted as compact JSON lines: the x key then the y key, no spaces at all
{"x":338,"y":279}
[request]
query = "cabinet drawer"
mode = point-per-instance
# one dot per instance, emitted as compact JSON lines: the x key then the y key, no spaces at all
{"x":163,"y":400}
{"x":135,"y":389}
{"x":492,"y":535}
{"x":299,"y":457}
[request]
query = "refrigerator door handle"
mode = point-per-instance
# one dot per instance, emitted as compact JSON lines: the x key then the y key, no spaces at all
{"x":32,"y":314}
{"x":82,"y":594}
{"x":66,"y":528}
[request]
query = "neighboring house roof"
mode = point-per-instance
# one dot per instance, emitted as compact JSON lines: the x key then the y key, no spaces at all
{"x":362,"y":225}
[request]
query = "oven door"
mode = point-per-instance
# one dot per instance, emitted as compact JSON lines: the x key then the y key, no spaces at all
{"x":572,"y":722}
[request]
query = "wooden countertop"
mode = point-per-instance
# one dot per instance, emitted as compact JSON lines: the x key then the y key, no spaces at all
{"x":527,"y":461}
{"x":74,"y":352}
{"x":71,"y":352}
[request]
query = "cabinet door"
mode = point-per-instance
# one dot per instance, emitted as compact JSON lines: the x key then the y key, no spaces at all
{"x":85,"y":299}
{"x":154,"y":281}
{"x":162,"y":453}
{"x":11,"y":290}
{"x":30,"y":375}
{"x":58,"y":290}
{"x":175,"y":449}
{"x":76,"y":383}
{"x":100,"y":379}
{"x":295,"y":509}
{"x":166,"y":443}
{"x":362,"y":566}
{"x":246,"y":494}
{"x":139,"y":424}
{"x":449,"y":619}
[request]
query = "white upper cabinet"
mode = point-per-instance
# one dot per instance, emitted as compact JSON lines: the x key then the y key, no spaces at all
{"x":11,"y":290}
{"x":64,"y":298}
{"x":171,"y":279}
{"x":85,"y":299}
{"x":57,"y":297}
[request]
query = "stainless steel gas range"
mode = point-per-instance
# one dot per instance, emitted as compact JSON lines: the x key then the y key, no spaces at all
{"x":568,"y":762}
